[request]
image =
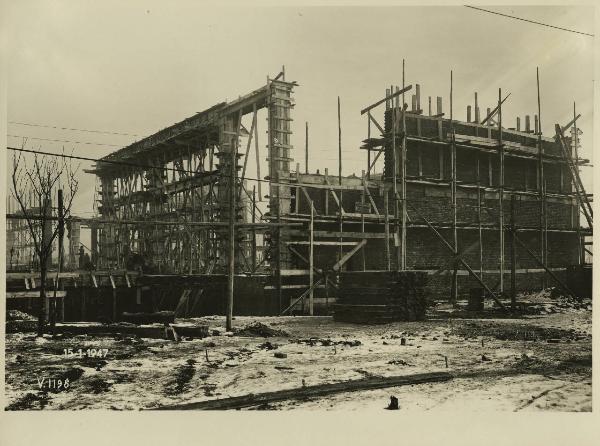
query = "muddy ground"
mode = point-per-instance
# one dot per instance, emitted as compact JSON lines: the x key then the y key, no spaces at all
{"x":536,"y":362}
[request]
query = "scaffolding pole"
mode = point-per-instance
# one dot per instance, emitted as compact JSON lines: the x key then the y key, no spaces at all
{"x":501,"y":190}
{"x":387,"y":229}
{"x":454,"y":289}
{"x":403,"y":184}
{"x":306,"y":150}
{"x":513,"y":253}
{"x":311,"y":261}
{"x":542,"y":180}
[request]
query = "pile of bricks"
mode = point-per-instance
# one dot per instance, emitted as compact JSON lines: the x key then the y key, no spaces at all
{"x":377,"y":297}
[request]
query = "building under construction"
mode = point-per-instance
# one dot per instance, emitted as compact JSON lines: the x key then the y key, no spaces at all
{"x":472,"y":206}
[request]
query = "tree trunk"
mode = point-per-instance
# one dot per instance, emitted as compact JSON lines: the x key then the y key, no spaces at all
{"x":42,"y":299}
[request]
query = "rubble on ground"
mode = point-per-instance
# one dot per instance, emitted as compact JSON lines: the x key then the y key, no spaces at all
{"x":16,"y":315}
{"x":258,"y":329}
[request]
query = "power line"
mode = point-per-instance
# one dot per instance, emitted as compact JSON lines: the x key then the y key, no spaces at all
{"x":143,"y":166}
{"x":96,"y":160}
{"x":29,"y":124}
{"x":528,"y":21}
{"x":66,"y":140}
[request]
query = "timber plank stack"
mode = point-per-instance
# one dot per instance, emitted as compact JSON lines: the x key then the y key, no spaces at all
{"x":379,"y":297}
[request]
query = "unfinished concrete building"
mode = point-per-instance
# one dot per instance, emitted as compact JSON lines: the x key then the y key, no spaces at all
{"x":471,"y":205}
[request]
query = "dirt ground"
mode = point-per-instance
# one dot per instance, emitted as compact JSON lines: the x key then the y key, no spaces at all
{"x":538,"y":363}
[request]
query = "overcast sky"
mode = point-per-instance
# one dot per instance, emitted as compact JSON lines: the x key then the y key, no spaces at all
{"x":137,"y":67}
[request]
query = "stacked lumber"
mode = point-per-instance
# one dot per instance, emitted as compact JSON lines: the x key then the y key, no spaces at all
{"x":378,"y":297}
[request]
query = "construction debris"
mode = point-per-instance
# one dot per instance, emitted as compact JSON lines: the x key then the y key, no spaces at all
{"x":258,"y":329}
{"x":393,"y":403}
{"x":162,"y":317}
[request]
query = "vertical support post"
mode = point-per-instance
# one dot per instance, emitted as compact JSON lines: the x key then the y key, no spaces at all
{"x":387,"y":229}
{"x":253,"y":228}
{"x":256,"y":149}
{"x":454,"y":290}
{"x":311,"y":263}
{"x":501,"y":191}
{"x":369,"y":150}
{"x":114,"y":304}
{"x":306,"y":150}
{"x":541,"y":181}
{"x":513,"y":253}
{"x":339,"y":142}
{"x":395,"y":172}
{"x":340,"y":175}
{"x":480,"y":228}
{"x":341,"y":219}
{"x":476,"y":109}
{"x":83,"y":302}
{"x":326,"y":192}
{"x":46,"y":206}
{"x":61,"y":235}
{"x":577,"y":209}
{"x":231,"y":227}
{"x":403,"y":83}
{"x":403,"y":185}
{"x":362,"y":218}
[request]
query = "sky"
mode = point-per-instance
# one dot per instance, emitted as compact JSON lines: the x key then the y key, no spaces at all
{"x":137,"y":67}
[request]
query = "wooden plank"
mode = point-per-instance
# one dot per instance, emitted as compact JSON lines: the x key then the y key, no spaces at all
{"x":495,"y":110}
{"x":335,"y":197}
{"x":321,"y":243}
{"x":374,"y":121}
{"x":370,"y":198}
{"x":301,"y":297}
{"x":349,"y":254}
{"x":294,"y":272}
{"x":314,"y":391}
{"x":566,"y":127}
{"x":389,"y":97}
{"x":314,"y":210}
{"x":31,"y":294}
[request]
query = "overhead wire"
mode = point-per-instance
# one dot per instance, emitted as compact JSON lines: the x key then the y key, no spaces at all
{"x":66,"y":140}
{"x":528,"y":21}
{"x":29,"y":124}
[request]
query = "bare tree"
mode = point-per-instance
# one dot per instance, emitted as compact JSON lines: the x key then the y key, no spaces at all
{"x":34,"y":179}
